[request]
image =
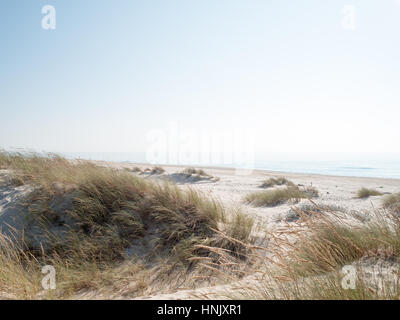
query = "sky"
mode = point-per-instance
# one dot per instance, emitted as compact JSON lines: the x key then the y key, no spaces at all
{"x":115,"y":73}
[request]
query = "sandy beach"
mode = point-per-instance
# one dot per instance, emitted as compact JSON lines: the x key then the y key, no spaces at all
{"x":231,"y":188}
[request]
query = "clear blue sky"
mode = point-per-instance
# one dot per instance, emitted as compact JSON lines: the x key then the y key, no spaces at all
{"x":114,"y":70}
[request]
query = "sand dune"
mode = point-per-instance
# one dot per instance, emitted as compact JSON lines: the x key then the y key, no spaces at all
{"x":231,"y":189}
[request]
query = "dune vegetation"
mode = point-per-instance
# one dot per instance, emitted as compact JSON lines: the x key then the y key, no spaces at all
{"x":134,"y":170}
{"x":270,"y":198}
{"x":280,"y":181}
{"x":366,"y":193}
{"x":392,"y":202}
{"x":326,"y":242}
{"x":199,"y":174}
{"x":192,"y":171}
{"x":91,"y":222}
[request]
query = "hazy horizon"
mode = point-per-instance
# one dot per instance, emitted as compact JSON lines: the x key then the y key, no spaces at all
{"x":373,"y":165}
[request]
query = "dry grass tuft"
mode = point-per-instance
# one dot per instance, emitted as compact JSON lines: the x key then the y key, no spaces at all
{"x":308,"y":265}
{"x":280,"y":181}
{"x":392,"y":202}
{"x":157,"y":170}
{"x":366,"y":193}
{"x":134,"y":170}
{"x":270,"y":198}
{"x":336,"y":239}
{"x":199,"y":173}
{"x":193,"y":171}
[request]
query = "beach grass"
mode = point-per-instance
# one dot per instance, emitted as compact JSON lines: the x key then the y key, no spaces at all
{"x":192,"y":171}
{"x":113,"y":220}
{"x":312,"y":266}
{"x":366,"y":193}
{"x":199,"y":174}
{"x":157,"y":170}
{"x":270,"y":198}
{"x":392,"y":202}
{"x":271,"y":182}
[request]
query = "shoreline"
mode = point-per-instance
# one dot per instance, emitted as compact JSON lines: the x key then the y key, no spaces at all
{"x":252,"y":171}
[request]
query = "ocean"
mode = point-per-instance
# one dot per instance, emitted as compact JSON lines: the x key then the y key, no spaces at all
{"x":367,"y":168}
